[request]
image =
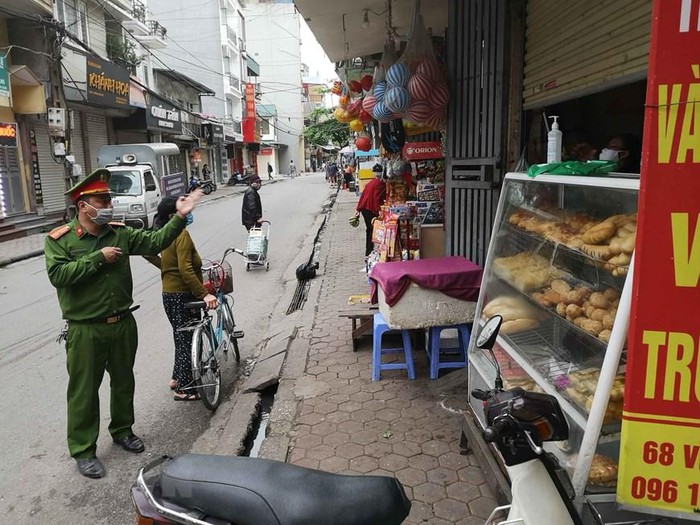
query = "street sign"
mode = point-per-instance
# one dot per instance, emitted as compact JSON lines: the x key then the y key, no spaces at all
{"x":660,"y":449}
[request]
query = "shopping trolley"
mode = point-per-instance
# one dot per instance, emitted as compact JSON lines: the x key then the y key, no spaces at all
{"x":256,"y":247}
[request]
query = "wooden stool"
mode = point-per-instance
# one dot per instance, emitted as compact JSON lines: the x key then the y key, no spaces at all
{"x":380,"y":328}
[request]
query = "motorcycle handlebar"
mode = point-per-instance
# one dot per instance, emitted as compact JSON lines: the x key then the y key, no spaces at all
{"x":499,"y":427}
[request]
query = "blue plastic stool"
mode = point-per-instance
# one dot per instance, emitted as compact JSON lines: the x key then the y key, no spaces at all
{"x":380,"y":328}
{"x":435,"y":352}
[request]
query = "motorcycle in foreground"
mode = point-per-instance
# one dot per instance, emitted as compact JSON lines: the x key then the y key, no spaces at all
{"x":518,"y":423}
{"x":230,"y":490}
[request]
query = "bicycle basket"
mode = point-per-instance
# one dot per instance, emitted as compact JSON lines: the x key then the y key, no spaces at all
{"x":219,"y":278}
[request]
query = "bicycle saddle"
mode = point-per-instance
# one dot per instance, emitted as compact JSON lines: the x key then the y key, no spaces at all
{"x":254,"y":491}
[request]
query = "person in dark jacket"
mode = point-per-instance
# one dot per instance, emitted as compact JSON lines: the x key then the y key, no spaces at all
{"x":251,"y":211}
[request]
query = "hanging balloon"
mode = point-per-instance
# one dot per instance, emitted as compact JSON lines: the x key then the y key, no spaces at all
{"x":337,"y":88}
{"x":397,"y":75}
{"x":440,"y":96}
{"x":355,"y":107}
{"x":355,"y":86}
{"x":368,"y":103}
{"x":364,"y":117}
{"x":363,"y":143}
{"x":379,"y":90}
{"x":419,"y":111}
{"x":396,"y":99}
{"x":436,"y":120}
{"x":338,"y":114}
{"x":343,"y":100}
{"x":430,"y":69}
{"x":419,"y":87}
{"x":356,"y":125}
{"x":381,"y":112}
{"x":366,"y":82}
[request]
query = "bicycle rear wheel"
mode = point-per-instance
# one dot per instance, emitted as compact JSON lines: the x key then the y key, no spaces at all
{"x":206,"y":370}
{"x":230,"y":327}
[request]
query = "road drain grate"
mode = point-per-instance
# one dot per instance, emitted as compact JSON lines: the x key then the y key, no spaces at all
{"x":256,"y":436}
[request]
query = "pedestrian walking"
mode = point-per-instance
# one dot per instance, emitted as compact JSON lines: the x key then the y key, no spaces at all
{"x":251,"y":210}
{"x":269,"y":171}
{"x":87,"y":261}
{"x":370,"y":202}
{"x":181,"y":277}
{"x":292,"y":169}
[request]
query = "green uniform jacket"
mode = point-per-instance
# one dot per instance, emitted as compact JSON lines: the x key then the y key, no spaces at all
{"x":88,"y":287}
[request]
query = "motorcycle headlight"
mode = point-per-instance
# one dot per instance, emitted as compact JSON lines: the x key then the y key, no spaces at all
{"x":135,"y":208}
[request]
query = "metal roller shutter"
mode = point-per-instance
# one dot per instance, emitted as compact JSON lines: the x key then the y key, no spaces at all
{"x":52,"y":174}
{"x":575,"y":48}
{"x":98,"y":136}
{"x":77,"y":149}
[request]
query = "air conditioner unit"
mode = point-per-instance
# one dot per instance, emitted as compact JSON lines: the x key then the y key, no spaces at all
{"x":225,"y":51}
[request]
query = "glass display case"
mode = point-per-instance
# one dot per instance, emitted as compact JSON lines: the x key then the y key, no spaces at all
{"x":556,"y":267}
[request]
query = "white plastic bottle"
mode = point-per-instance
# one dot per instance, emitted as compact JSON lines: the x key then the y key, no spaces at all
{"x":554,"y":139}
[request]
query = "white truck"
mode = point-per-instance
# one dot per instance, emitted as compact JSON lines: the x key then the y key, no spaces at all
{"x":140,"y":178}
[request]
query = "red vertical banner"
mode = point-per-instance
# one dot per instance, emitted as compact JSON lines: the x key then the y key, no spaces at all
{"x":249,"y":120}
{"x":660,"y":447}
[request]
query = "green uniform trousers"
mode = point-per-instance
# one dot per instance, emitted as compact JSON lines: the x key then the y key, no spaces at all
{"x":92,"y":349}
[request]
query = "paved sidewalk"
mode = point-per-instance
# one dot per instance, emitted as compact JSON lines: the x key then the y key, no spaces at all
{"x":330,"y":415}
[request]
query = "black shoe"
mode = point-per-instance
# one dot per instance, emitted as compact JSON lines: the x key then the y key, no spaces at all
{"x":91,"y":468}
{"x":131,"y":443}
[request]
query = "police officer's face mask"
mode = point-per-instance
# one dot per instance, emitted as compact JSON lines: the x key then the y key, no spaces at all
{"x":102,"y":215}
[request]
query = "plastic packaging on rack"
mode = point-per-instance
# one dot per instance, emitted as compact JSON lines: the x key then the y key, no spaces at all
{"x":573,"y":167}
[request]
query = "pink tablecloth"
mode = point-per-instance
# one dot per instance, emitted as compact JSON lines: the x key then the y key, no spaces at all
{"x":453,"y":276}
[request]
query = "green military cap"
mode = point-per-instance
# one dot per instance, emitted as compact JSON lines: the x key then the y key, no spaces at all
{"x":95,"y":183}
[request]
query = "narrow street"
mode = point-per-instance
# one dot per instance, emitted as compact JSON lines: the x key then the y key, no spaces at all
{"x":39,"y":482}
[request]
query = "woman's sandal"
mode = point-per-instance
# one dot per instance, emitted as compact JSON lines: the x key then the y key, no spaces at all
{"x":186,"y":397}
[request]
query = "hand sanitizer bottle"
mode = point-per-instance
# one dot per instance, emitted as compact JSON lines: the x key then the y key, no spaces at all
{"x":554,"y":138}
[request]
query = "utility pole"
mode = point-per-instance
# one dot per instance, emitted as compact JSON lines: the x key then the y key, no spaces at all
{"x":58,"y":100}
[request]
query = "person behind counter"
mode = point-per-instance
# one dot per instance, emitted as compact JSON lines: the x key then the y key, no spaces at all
{"x":626,"y":150}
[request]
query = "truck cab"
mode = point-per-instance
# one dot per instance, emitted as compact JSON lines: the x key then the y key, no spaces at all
{"x":140,"y":177}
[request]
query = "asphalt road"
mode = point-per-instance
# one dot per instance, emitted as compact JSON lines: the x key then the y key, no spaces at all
{"x":38,"y":480}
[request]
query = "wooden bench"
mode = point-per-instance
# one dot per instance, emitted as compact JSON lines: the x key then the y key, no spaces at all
{"x":362,"y":314}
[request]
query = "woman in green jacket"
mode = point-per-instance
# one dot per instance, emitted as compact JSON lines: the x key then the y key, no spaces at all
{"x":181,"y":274}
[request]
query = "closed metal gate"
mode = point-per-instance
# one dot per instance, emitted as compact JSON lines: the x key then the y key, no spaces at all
{"x":52,"y":174}
{"x":97,"y":136}
{"x":12,"y":196}
{"x":476,"y":49}
{"x":77,"y":149}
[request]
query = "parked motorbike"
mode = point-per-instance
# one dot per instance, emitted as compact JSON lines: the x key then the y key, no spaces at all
{"x":237,"y":178}
{"x":518,"y":423}
{"x":229,"y":490}
{"x":207,"y":186}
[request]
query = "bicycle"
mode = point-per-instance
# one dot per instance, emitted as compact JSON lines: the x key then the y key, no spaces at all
{"x":213,"y":334}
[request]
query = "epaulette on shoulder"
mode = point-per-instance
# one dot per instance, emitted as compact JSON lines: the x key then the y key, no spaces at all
{"x":117,"y":224}
{"x":59,"y":232}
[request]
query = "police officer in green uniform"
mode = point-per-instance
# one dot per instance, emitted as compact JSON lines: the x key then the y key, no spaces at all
{"x":87,"y":260}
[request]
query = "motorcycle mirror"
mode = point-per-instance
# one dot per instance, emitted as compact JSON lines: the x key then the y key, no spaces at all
{"x":485,"y":341}
{"x":489,"y":332}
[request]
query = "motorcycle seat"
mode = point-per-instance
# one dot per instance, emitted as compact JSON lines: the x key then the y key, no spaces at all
{"x":254,"y":491}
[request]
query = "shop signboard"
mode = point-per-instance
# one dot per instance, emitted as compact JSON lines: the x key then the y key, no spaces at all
{"x":660,"y":443}
{"x":173,"y":185}
{"x":265,"y":152}
{"x":249,"y":120}
{"x":8,"y":134}
{"x":162,"y":115}
{"x":4,"y":78}
{"x":422,"y":150}
{"x":213,"y":133}
{"x":107,"y":84}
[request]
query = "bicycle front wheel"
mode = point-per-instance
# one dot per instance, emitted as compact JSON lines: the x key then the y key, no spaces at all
{"x":206,"y":370}
{"x":230,"y":327}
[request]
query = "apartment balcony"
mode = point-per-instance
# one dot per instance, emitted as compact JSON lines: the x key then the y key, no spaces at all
{"x":29,"y":7}
{"x":121,"y":10}
{"x":137,"y":24}
{"x":156,"y":37}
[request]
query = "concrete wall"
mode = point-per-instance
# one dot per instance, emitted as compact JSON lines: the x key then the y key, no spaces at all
{"x":274,"y":41}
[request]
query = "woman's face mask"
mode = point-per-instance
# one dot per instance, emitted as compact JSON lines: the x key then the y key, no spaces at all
{"x":102,"y":215}
{"x":189,"y":219}
{"x":609,"y":154}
